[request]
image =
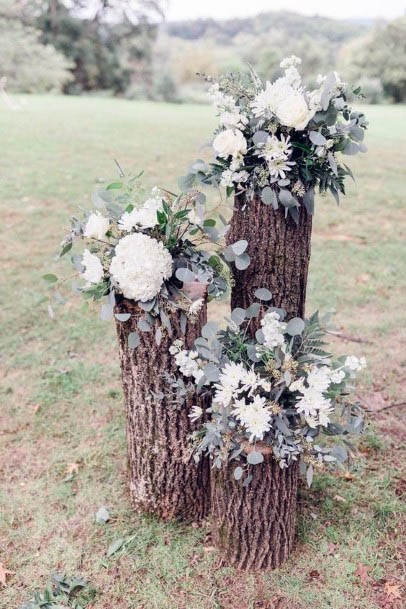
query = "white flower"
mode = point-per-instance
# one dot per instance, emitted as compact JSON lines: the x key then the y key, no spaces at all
{"x":354,"y":364}
{"x":189,"y":364}
{"x":337,"y":376}
{"x":272,"y":329}
{"x":230,"y":143}
{"x":255,"y":417}
{"x":229,"y":178}
{"x":297,"y":385}
{"x":284,"y":100}
{"x":196,"y":306}
{"x":312,"y":403}
{"x":143,"y":217}
{"x":292,"y":60}
{"x":96,"y":226}
{"x":294,"y":111}
{"x":220,"y":99}
{"x":223,"y":395}
{"x":232,"y":375}
{"x":319,"y":378}
{"x":271,"y":98}
{"x":195,"y":413}
{"x":233,"y":120}
{"x":93,"y":272}
{"x":140,"y":266}
{"x":292,"y":77}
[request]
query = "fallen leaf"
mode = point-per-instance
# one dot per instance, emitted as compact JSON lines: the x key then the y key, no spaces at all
{"x":3,"y":574}
{"x":339,"y":498}
{"x":348,"y":476}
{"x":102,"y":515}
{"x":361,"y":573}
{"x":392,"y":590}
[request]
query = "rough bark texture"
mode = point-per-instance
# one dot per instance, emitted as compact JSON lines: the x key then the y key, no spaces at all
{"x":279,"y":251}
{"x":254,"y":526}
{"x":164,"y":479}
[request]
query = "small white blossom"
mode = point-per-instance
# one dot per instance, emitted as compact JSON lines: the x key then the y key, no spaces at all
{"x":96,"y":226}
{"x":195,"y":413}
{"x":93,"y":272}
{"x":220,"y":100}
{"x":196,"y":306}
{"x":290,"y":61}
{"x":337,"y":376}
{"x":354,"y":364}
{"x":272,"y":329}
{"x":233,"y":120}
{"x":142,"y":217}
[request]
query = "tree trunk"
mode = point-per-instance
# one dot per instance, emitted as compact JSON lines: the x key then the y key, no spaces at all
{"x":279,"y":251}
{"x":254,"y":526}
{"x":165,"y":481}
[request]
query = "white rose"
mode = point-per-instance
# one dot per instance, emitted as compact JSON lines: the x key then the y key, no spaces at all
{"x":294,"y":112}
{"x":230,"y":143}
{"x":96,"y":226}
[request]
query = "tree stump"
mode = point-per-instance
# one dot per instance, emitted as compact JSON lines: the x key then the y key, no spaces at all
{"x":279,"y":251}
{"x":254,"y":526}
{"x":165,"y":480}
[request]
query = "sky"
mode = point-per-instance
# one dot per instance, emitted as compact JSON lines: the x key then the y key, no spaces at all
{"x":219,"y":9}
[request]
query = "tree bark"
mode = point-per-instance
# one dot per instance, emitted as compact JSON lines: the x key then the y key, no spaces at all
{"x":165,"y":481}
{"x":254,"y":526}
{"x":279,"y":251}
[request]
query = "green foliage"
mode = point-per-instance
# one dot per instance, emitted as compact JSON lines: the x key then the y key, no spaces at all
{"x":28,"y":65}
{"x":63,"y":592}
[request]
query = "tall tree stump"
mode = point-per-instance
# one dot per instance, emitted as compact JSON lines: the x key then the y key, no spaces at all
{"x":254,"y":526}
{"x":165,"y":480}
{"x":279,"y":251}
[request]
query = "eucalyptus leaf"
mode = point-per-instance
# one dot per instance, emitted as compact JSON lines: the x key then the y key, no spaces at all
{"x":287,"y":199}
{"x":210,"y":330}
{"x":255,"y":457}
{"x":143,"y":325}
{"x":295,"y":326}
{"x":106,"y":312}
{"x":242,"y":262}
{"x":260,"y":137}
{"x":239,"y":247}
{"x":309,"y":475}
{"x":263,"y":294}
{"x":115,"y":546}
{"x":122,"y":316}
{"x":317,"y":138}
{"x":268,"y":196}
{"x":238,"y":472}
{"x":133,"y":340}
{"x":308,"y":200}
{"x":185,"y":275}
{"x":238,"y":316}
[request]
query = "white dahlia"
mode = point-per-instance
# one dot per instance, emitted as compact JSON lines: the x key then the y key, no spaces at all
{"x":93,"y":272}
{"x":140,"y":266}
{"x":96,"y":226}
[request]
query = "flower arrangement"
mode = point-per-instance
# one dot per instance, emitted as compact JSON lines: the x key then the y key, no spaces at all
{"x":148,"y":248}
{"x":279,"y":393}
{"x":280,"y":141}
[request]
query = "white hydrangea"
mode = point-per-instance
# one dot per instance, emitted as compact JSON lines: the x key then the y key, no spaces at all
{"x":140,"y":266}
{"x":145,"y":216}
{"x":97,"y":226}
{"x":230,"y":143}
{"x":273,"y":329}
{"x":93,"y":272}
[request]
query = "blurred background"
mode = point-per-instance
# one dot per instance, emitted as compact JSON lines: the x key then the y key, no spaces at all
{"x":152,"y":49}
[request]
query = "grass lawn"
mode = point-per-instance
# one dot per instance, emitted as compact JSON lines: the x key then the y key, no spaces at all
{"x":62,"y":441}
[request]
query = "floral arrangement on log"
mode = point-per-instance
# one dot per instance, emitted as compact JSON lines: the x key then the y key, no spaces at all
{"x":148,"y":248}
{"x":278,"y":393}
{"x":278,"y":140}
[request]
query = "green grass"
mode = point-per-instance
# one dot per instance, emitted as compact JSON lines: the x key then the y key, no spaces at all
{"x":61,"y":419}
